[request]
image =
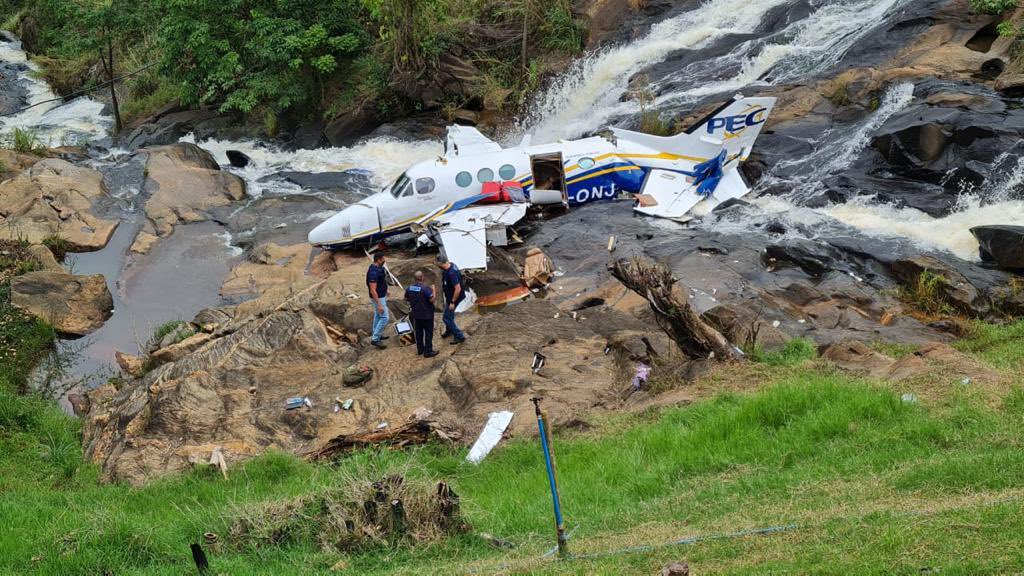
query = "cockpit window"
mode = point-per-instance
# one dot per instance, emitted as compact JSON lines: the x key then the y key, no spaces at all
{"x":399,"y":186}
{"x":424,"y":185}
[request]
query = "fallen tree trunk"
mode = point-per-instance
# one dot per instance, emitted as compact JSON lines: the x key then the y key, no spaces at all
{"x":674,"y":315}
{"x":412,"y":432}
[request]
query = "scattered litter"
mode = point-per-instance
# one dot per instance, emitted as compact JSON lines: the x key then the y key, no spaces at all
{"x":496,"y":542}
{"x":607,"y":349}
{"x":356,"y":375}
{"x":909,"y":398}
{"x":965,"y":381}
{"x":337,"y":408}
{"x":643,"y":371}
{"x":307,"y":402}
{"x":801,"y":321}
{"x":573,"y":315}
{"x":611,"y":243}
{"x":217,"y":459}
{"x":557,"y":314}
{"x":537,"y":268}
{"x":538,"y":362}
{"x":422,"y":413}
{"x":489,"y":437}
{"x":347,"y":404}
{"x":279,"y":226}
{"x":352,"y":296}
{"x":558,"y":273}
{"x":775,"y":323}
{"x":535,"y":290}
{"x":714,"y":290}
{"x":294,"y":402}
{"x":382,"y":425}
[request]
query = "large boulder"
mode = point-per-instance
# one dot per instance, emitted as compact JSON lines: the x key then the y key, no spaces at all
{"x":952,"y":287}
{"x":74,"y":305}
{"x":603,"y":17}
{"x":184,"y":184}
{"x":1002,"y":244}
{"x":54,"y":198}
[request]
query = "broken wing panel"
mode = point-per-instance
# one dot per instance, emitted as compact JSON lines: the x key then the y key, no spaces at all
{"x":464,"y":140}
{"x":464,"y":233}
{"x":731,"y":186}
{"x":669,"y":195}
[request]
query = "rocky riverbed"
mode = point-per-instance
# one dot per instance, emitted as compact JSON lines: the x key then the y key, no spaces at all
{"x":890,"y":142}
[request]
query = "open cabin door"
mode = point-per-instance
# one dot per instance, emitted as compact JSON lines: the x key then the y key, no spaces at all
{"x":548,"y":175}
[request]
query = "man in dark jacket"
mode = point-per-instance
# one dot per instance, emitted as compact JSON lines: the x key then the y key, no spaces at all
{"x":421,"y":300}
{"x":454,"y":292}
{"x":377,"y":285}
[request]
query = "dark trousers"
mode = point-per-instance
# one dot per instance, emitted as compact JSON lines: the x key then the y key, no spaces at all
{"x":423,"y":330}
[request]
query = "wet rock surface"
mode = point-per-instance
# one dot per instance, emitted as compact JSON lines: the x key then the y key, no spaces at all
{"x":74,"y":305}
{"x":54,"y":199}
{"x":183,"y":184}
{"x":1003,"y":245}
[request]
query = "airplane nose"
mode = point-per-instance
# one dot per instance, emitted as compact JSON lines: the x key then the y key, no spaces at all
{"x":330,"y":231}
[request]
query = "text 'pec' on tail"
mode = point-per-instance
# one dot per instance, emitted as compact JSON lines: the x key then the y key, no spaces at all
{"x":733,"y":126}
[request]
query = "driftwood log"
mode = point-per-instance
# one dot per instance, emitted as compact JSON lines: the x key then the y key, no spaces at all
{"x":412,"y":432}
{"x":674,"y":314}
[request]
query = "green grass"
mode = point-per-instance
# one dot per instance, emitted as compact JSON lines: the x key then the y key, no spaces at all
{"x":873,"y":484}
{"x":161,"y":331}
{"x":1000,"y":345}
{"x":792,"y":353}
{"x":25,"y":142}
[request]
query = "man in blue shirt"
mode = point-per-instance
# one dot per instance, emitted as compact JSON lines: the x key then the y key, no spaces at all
{"x":421,"y":300}
{"x":377,"y":284}
{"x":451,"y":283}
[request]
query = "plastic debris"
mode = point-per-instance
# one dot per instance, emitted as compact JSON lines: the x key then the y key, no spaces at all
{"x":382,"y":425}
{"x":643,"y":372}
{"x":307,"y":402}
{"x":293,"y":403}
{"x":489,"y":437}
{"x":611,"y":243}
{"x":775,"y":323}
{"x":558,"y":273}
{"x":909,"y":398}
{"x":347,"y":404}
{"x":538,"y":362}
{"x":965,"y":381}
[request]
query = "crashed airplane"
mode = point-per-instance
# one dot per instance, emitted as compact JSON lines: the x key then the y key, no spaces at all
{"x":466,"y":198}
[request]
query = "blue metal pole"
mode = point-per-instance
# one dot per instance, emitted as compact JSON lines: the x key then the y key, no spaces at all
{"x":552,"y":480}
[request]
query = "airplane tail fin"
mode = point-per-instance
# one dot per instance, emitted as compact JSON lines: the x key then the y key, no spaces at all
{"x":733,"y":126}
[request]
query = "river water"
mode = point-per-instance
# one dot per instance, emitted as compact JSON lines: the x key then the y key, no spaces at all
{"x":712,"y":50}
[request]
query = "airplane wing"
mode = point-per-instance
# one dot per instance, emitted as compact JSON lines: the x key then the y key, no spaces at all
{"x":465,"y":140}
{"x":465,"y":233}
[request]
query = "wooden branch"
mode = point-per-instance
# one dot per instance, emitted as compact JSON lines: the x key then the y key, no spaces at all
{"x":677,"y":318}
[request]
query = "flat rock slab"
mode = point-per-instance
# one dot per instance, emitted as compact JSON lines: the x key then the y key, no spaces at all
{"x":74,"y":305}
{"x":54,"y":198}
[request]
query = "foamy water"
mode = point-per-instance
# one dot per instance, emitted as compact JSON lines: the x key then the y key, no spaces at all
{"x":588,"y":94}
{"x":384,"y":158}
{"x":54,"y":123}
{"x":801,"y":49}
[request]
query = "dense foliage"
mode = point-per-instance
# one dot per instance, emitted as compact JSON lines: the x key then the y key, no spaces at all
{"x":294,"y":58}
{"x":993,"y":6}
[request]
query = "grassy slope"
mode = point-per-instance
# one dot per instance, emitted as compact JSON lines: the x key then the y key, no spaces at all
{"x":875,"y":485}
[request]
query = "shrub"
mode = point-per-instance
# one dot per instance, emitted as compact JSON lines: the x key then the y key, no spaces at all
{"x":993,"y":6}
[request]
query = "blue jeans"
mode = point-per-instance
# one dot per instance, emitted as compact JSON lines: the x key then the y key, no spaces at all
{"x":380,"y":321}
{"x":449,"y":323}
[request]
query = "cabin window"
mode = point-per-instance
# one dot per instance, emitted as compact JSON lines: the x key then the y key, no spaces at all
{"x":485,"y":175}
{"x":586,"y":163}
{"x":463,"y":179}
{"x":507,"y":172}
{"x":400,"y":186}
{"x":424,"y":185}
